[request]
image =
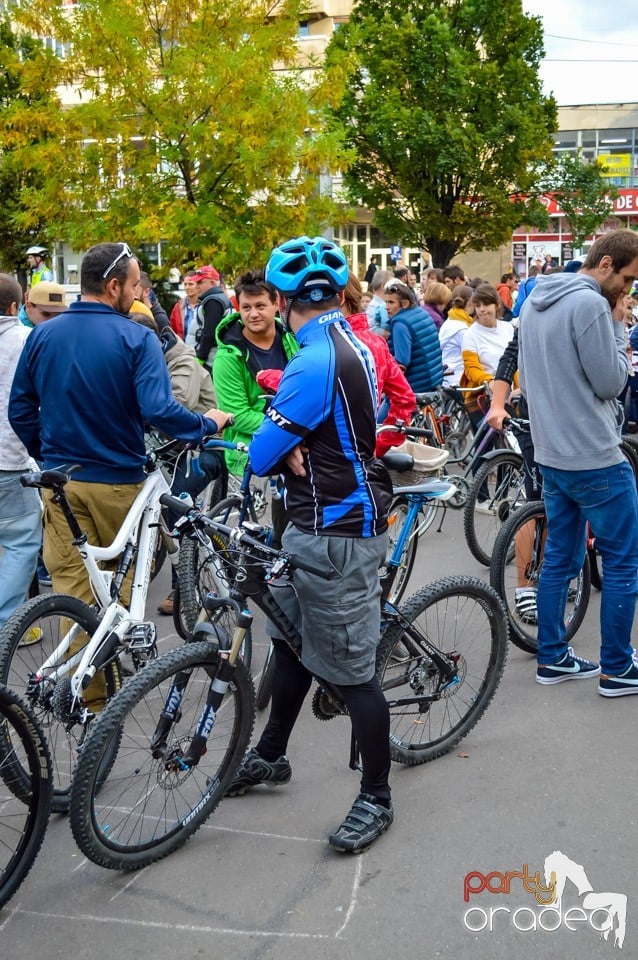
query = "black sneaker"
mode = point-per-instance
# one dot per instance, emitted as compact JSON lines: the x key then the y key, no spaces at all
{"x":366,"y":821}
{"x":569,"y":667}
{"x":255,"y":770}
{"x":621,"y":686}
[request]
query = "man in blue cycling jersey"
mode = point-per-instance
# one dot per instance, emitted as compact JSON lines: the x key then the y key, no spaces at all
{"x":320,"y":432}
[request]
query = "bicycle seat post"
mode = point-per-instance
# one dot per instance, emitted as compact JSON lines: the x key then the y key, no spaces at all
{"x":59,"y":497}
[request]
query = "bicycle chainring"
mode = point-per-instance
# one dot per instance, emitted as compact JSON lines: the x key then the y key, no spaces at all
{"x":323,"y":706}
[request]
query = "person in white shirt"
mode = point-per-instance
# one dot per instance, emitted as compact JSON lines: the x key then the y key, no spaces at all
{"x":459,"y":319}
{"x":483,"y":344}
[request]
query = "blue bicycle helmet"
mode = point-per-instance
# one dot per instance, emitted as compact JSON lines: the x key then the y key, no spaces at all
{"x":305,"y":265}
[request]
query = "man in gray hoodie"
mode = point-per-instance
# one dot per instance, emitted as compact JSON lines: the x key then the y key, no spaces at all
{"x":573,"y":363}
{"x":20,"y":509}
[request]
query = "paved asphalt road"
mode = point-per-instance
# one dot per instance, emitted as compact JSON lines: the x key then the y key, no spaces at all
{"x":546,"y":769}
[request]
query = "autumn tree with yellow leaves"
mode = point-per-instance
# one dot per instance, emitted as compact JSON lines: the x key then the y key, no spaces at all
{"x":190,"y":124}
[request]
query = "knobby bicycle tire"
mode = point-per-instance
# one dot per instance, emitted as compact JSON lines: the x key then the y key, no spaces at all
{"x":464,"y":618}
{"x":52,"y":615}
{"x":144,"y":808}
{"x":264,"y":687}
{"x":502,"y":478}
{"x":196,"y":577}
{"x":518,"y":536}
{"x":23,"y":820}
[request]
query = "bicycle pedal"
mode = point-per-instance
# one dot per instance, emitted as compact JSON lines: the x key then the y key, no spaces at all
{"x":142,"y":642}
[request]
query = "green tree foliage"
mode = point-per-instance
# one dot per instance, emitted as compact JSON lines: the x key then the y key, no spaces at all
{"x":29,"y":116}
{"x":445,"y":114}
{"x":191,"y":125}
{"x":582,"y":192}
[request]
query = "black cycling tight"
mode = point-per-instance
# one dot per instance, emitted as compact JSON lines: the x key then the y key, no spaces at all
{"x":368,"y":712}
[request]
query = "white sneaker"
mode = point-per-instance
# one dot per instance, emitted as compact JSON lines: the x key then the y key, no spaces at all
{"x":525,"y":604}
{"x":483,"y":506}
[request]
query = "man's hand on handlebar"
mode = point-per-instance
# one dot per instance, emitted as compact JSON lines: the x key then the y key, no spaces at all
{"x":495,"y":416}
{"x":220,"y":418}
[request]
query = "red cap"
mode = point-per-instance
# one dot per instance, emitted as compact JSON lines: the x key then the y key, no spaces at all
{"x":205,"y":273}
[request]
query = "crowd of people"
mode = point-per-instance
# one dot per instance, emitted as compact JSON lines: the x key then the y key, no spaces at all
{"x":78,"y":385}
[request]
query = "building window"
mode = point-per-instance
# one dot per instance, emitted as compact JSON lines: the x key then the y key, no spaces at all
{"x":566,"y":140}
{"x":304,"y":29}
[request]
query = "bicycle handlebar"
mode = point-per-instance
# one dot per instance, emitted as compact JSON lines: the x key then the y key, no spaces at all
{"x":241,"y":536}
{"x":518,"y":423}
{"x":405,"y":428}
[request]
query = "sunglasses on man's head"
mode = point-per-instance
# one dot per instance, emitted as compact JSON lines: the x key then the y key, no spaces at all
{"x":124,"y":252}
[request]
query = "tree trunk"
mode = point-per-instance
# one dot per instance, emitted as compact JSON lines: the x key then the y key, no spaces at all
{"x":441,"y":251}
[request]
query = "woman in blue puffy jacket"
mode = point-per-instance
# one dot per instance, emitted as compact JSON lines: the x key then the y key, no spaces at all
{"x":414,"y":340}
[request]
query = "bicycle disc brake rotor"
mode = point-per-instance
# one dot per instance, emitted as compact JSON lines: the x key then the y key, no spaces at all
{"x":173,"y":771}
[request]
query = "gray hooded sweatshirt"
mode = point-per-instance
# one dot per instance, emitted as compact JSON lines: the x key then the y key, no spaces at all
{"x":573,"y":365}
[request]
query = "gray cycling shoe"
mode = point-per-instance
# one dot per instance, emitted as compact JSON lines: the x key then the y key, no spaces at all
{"x":366,"y":821}
{"x":255,"y":770}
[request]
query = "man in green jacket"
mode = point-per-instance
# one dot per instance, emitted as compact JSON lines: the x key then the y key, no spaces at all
{"x":249,"y":341}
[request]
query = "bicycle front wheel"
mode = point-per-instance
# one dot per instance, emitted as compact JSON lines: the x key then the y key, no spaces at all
{"x":151,"y":801}
{"x":515,"y":570}
{"x":28,"y":640}
{"x":464,"y":620}
{"x":23,"y":816}
{"x":498,"y":486}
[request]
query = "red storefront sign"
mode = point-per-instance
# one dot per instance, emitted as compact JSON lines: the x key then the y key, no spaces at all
{"x":625,"y":203}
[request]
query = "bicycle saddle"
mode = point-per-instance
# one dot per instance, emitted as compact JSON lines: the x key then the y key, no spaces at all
{"x":400,"y":462}
{"x":425,"y":399}
{"x":49,"y":479}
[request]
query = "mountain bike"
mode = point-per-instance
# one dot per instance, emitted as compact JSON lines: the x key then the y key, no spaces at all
{"x":65,"y":656}
{"x":414,"y":505}
{"x":182,"y":725}
{"x":25,"y":791}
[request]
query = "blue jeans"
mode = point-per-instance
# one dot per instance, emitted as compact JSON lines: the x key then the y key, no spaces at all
{"x":607,"y":498}
{"x":20,"y":540}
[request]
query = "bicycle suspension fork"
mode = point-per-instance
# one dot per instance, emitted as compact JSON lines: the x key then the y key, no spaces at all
{"x":221,"y":677}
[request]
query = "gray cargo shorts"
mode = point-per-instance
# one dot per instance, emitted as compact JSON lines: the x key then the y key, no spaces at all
{"x":340,"y":618}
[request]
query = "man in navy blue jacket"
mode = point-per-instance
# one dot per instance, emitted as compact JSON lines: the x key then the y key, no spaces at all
{"x":85,"y":383}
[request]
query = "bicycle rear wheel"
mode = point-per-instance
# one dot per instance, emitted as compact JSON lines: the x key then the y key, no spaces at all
{"x":27,"y":641}
{"x":464,"y":620}
{"x":515,"y":570}
{"x":23,"y":815}
{"x":151,"y":802}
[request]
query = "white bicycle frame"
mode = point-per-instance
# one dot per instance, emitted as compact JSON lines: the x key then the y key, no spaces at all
{"x":140,"y":525}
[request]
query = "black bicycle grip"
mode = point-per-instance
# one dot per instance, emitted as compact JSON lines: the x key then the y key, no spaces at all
{"x":416,"y":431}
{"x":174,"y":503}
